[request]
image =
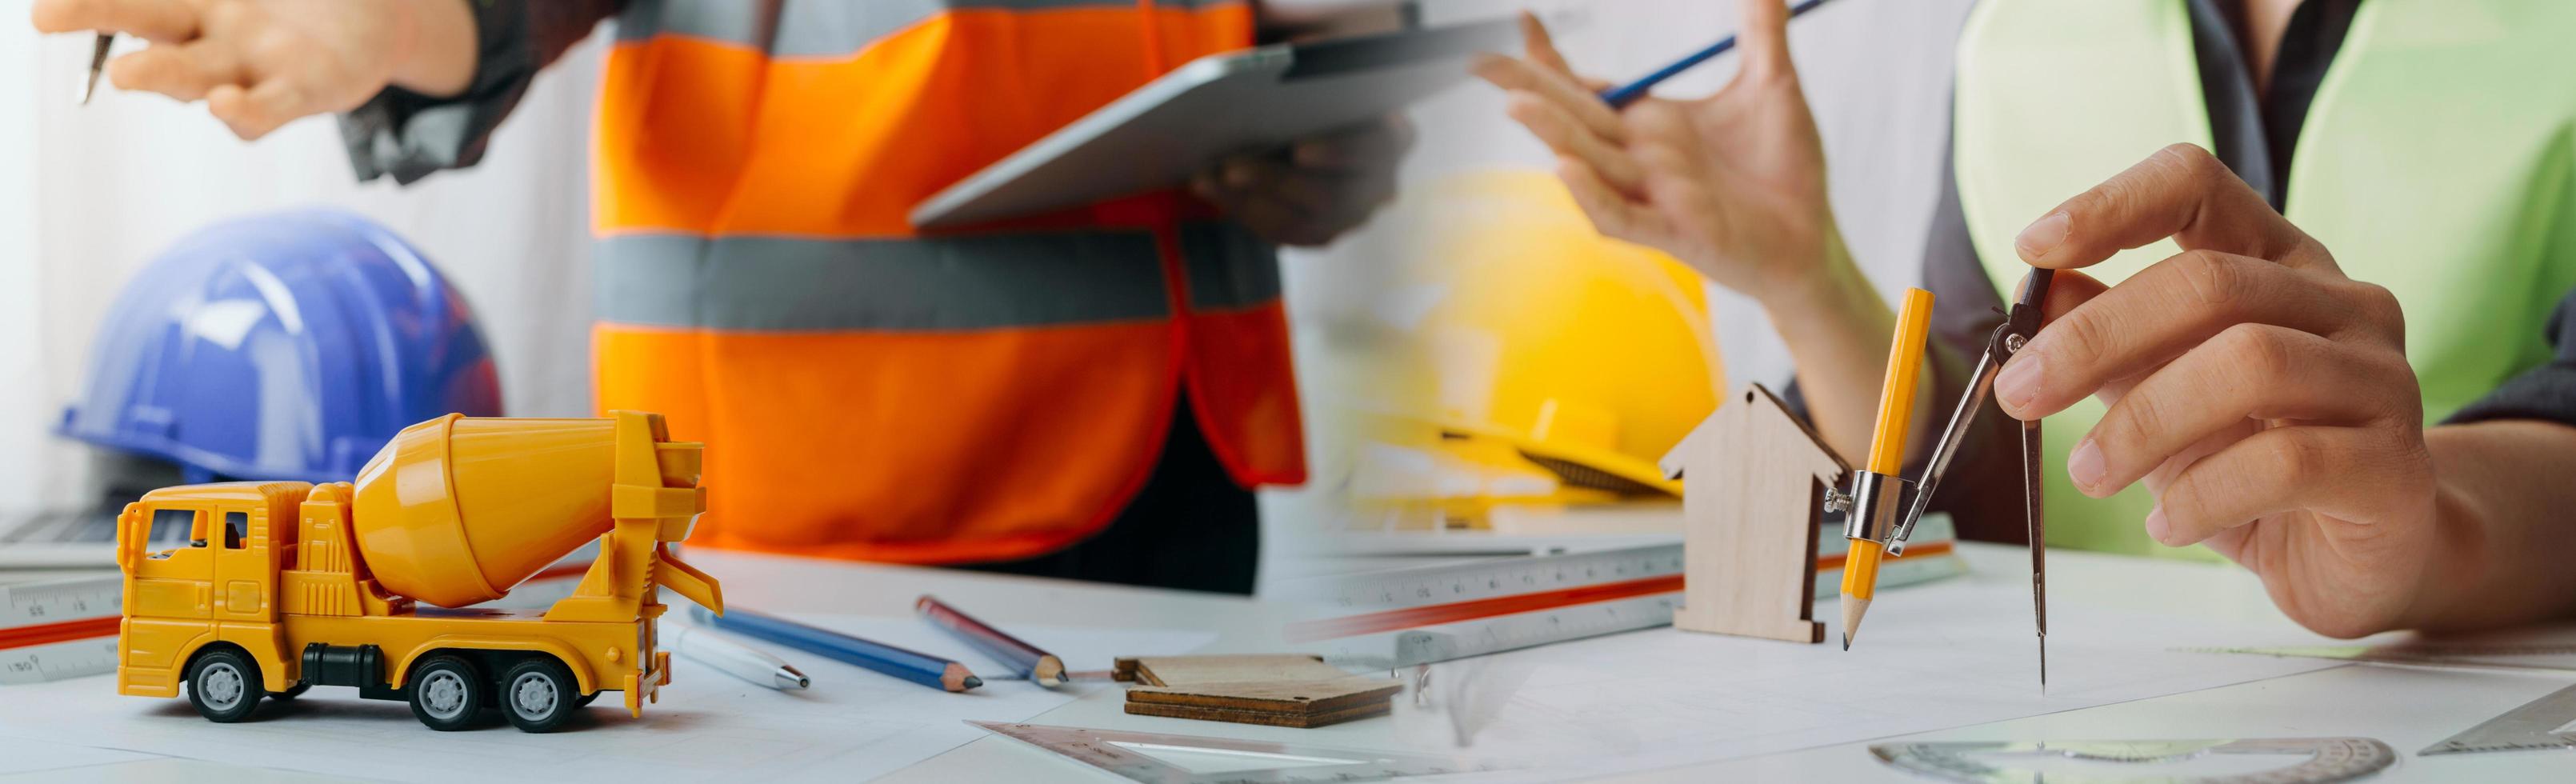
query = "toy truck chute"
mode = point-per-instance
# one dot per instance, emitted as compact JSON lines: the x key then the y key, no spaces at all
{"x":284,"y":586}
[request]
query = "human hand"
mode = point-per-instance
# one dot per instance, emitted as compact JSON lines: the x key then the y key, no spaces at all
{"x":1732,"y":184}
{"x":260,"y":63}
{"x":2264,"y":397}
{"x":1315,"y":192}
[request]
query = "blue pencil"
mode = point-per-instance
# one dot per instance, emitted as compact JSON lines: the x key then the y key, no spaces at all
{"x":1620,"y":97}
{"x":924,"y":669}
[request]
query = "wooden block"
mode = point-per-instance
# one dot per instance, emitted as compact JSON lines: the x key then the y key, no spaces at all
{"x":1265,"y":718}
{"x":1275,"y":696}
{"x":1180,"y":670}
{"x":1753,"y":480}
{"x":1278,"y":690}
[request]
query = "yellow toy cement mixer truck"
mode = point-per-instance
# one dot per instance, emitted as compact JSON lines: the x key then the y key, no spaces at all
{"x":284,"y":585}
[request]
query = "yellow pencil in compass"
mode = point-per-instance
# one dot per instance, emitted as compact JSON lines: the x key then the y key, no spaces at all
{"x":1878,"y":495}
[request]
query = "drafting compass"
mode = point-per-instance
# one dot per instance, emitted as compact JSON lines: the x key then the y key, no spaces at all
{"x":2021,"y":323}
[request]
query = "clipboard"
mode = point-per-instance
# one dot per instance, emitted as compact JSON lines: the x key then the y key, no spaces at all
{"x":1258,"y":99}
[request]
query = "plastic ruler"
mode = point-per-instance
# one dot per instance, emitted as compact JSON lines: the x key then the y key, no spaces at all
{"x":1406,"y":617}
{"x":1992,"y":762}
{"x":1158,"y":758}
{"x":59,"y":628}
{"x":2538,"y":724}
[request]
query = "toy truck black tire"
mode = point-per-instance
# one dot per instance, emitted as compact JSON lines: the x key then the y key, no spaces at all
{"x":447,"y":692}
{"x":539,"y":694}
{"x":224,"y":685}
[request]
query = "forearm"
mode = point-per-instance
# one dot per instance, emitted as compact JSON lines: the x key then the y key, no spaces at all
{"x":2503,"y":527}
{"x":438,"y":58}
{"x":1838,"y":330}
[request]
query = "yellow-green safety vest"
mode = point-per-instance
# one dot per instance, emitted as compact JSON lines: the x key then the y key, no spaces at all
{"x":2435,"y":161}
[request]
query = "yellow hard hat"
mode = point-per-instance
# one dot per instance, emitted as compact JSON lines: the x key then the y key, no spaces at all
{"x":1536,"y":340}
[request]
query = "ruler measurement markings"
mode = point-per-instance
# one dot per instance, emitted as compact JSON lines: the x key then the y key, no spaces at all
{"x":62,"y":629}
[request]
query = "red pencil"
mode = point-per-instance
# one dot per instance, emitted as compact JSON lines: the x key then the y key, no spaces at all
{"x":1039,"y":666}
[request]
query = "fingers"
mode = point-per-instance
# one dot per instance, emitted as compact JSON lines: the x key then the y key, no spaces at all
{"x":158,"y":21}
{"x":1293,"y":205}
{"x":1764,"y":41}
{"x":2347,"y":473}
{"x":1566,"y":136}
{"x":1611,"y":211}
{"x":2181,"y":192}
{"x":256,"y":112}
{"x":1308,"y":191}
{"x":2249,"y":372}
{"x":2168,"y":308}
{"x":1556,"y":88}
{"x":1541,"y":47}
{"x":182,"y":71}
{"x":1370,"y":146}
{"x":1264,"y":211}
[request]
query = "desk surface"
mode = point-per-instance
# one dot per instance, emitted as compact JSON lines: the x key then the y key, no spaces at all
{"x":2408,"y":708}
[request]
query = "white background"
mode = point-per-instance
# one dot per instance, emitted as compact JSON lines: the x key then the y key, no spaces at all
{"x":88,"y":195}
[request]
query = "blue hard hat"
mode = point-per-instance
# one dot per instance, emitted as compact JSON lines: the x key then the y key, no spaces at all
{"x":281,"y":346}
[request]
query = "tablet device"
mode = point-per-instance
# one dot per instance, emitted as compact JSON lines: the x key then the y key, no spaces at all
{"x":1174,"y":127}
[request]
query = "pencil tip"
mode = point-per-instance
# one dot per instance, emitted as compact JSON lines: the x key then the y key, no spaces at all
{"x":1846,"y":641}
{"x":972,"y":682}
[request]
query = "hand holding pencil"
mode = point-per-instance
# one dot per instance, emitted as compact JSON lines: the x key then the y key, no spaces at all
{"x":1731,"y":183}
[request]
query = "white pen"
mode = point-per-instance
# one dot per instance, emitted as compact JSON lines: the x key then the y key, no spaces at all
{"x":733,"y":658}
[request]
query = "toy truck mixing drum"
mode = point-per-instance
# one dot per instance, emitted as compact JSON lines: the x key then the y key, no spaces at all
{"x":285,"y":585}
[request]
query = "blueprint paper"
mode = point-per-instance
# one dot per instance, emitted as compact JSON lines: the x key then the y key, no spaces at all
{"x":1931,"y":657}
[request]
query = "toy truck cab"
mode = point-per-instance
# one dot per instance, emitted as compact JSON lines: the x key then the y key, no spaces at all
{"x":284,"y":585}
{"x":219,"y":587}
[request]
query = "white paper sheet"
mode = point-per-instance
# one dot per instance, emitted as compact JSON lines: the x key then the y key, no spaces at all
{"x":27,"y":755}
{"x":853,"y":724}
{"x":1930,"y":657}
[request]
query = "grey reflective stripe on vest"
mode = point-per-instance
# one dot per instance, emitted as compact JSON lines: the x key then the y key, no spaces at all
{"x":1228,"y":268}
{"x":823,"y":28}
{"x":991,"y":281}
{"x":777,"y":284}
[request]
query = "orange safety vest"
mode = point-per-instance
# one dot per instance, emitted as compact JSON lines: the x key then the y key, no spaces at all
{"x":867,"y":391}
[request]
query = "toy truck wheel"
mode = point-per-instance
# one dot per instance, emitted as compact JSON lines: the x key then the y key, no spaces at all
{"x":446,"y":692}
{"x":224,"y":685}
{"x":539,"y":695}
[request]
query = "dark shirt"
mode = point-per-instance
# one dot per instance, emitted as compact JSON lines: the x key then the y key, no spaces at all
{"x":410,"y":136}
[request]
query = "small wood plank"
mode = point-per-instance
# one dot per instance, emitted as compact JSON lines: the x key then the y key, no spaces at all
{"x":1265,"y":718}
{"x":1288,"y":690}
{"x":1182,"y":670}
{"x":1281,"y":696}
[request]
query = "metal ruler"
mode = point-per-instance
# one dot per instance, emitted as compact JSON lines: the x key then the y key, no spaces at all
{"x":59,"y":629}
{"x":2538,"y":724}
{"x":1407,"y":617}
{"x":1159,"y":758}
{"x":2328,"y":759}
